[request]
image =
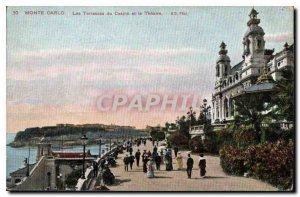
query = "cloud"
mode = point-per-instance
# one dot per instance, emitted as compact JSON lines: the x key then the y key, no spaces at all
{"x":100,"y":52}
{"x":167,"y":70}
{"x":280,"y":37}
{"x":29,"y":73}
{"x":98,"y":64}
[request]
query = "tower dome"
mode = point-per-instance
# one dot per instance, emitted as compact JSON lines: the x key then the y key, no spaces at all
{"x":253,"y":22}
{"x":223,"y":54}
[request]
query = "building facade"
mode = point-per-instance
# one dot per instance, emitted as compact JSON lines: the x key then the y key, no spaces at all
{"x":232,"y":80}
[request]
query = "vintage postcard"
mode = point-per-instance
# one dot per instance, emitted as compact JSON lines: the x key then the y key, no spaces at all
{"x":150,"y":99}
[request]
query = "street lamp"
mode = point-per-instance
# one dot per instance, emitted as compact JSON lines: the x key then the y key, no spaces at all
{"x":205,"y":109}
{"x":26,"y":163}
{"x":109,"y":142}
{"x":84,"y":140}
{"x":99,"y":142}
{"x":191,"y":114}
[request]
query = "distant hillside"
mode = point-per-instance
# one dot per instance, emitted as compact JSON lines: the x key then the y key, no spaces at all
{"x":73,"y":132}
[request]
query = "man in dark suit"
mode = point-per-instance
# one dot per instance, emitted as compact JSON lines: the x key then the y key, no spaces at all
{"x":189,"y":166}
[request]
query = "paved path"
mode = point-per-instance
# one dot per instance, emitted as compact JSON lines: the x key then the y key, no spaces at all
{"x":216,"y":179}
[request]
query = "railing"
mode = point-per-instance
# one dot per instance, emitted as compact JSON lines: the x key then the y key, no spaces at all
{"x":83,"y":184}
{"x":194,"y":130}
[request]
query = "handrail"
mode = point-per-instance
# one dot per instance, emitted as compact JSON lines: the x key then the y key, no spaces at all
{"x":83,"y":184}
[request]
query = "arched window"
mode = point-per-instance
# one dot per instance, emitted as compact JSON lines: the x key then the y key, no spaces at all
{"x":231,"y":106}
{"x":259,"y":43}
{"x":225,"y":70}
{"x":217,"y":70}
{"x":236,"y":76}
{"x":226,"y":107}
{"x":230,"y":80}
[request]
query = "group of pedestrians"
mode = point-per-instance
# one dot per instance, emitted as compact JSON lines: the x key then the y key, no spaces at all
{"x":153,"y":160}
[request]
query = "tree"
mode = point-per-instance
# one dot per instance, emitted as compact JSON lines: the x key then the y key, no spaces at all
{"x":201,"y":118}
{"x":183,"y":125}
{"x":253,"y":109}
{"x":191,"y":115}
{"x":285,"y":98}
{"x":157,"y":135}
{"x":178,"y":139}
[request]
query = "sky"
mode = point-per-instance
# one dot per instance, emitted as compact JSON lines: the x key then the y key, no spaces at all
{"x":59,"y":65}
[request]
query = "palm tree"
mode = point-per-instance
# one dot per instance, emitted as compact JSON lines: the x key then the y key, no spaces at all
{"x":285,"y":98}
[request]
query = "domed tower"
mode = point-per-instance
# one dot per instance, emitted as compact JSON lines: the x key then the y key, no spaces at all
{"x":254,"y":46}
{"x":223,"y":63}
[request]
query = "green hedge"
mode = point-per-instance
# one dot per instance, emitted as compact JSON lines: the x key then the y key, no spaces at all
{"x":179,"y":140}
{"x":270,"y":162}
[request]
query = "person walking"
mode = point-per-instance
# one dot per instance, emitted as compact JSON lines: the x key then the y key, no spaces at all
{"x":168,"y":162}
{"x":202,"y":166}
{"x":162,"y":156}
{"x":189,"y":166}
{"x":137,"y":157}
{"x":126,"y":162}
{"x":144,"y":154}
{"x":157,"y":161}
{"x":130,"y":150}
{"x":155,"y":149}
{"x":175,"y":151}
{"x":131,"y":160}
{"x":150,"y":169}
{"x":95,"y":168}
{"x":145,"y":160}
{"x":179,"y":162}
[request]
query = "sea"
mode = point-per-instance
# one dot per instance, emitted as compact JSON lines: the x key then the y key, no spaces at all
{"x":15,"y":156}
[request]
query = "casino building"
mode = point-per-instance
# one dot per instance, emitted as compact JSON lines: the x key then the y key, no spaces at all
{"x":258,"y":63}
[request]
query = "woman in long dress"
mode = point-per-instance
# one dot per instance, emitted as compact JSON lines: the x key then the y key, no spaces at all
{"x":145,"y":160}
{"x":150,"y":169}
{"x":179,"y":162}
{"x":202,"y":166}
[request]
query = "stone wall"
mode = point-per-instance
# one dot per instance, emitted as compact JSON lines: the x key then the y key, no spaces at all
{"x":41,"y":178}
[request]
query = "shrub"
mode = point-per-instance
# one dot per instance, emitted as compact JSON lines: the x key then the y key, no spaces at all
{"x":179,"y":140}
{"x":270,"y":162}
{"x":197,"y":145}
{"x":232,"y":160}
{"x":244,"y":135}
{"x":226,"y":135}
{"x":157,"y":135}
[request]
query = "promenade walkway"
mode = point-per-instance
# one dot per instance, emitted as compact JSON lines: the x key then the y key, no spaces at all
{"x":216,"y":179}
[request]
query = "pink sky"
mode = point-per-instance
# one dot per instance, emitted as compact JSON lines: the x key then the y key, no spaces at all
{"x":57,"y":69}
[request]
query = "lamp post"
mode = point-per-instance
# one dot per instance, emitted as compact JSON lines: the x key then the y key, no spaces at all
{"x":26,"y":163}
{"x":84,"y":140}
{"x":110,"y":143}
{"x":191,"y":114}
{"x":99,"y":142}
{"x":205,"y":110}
